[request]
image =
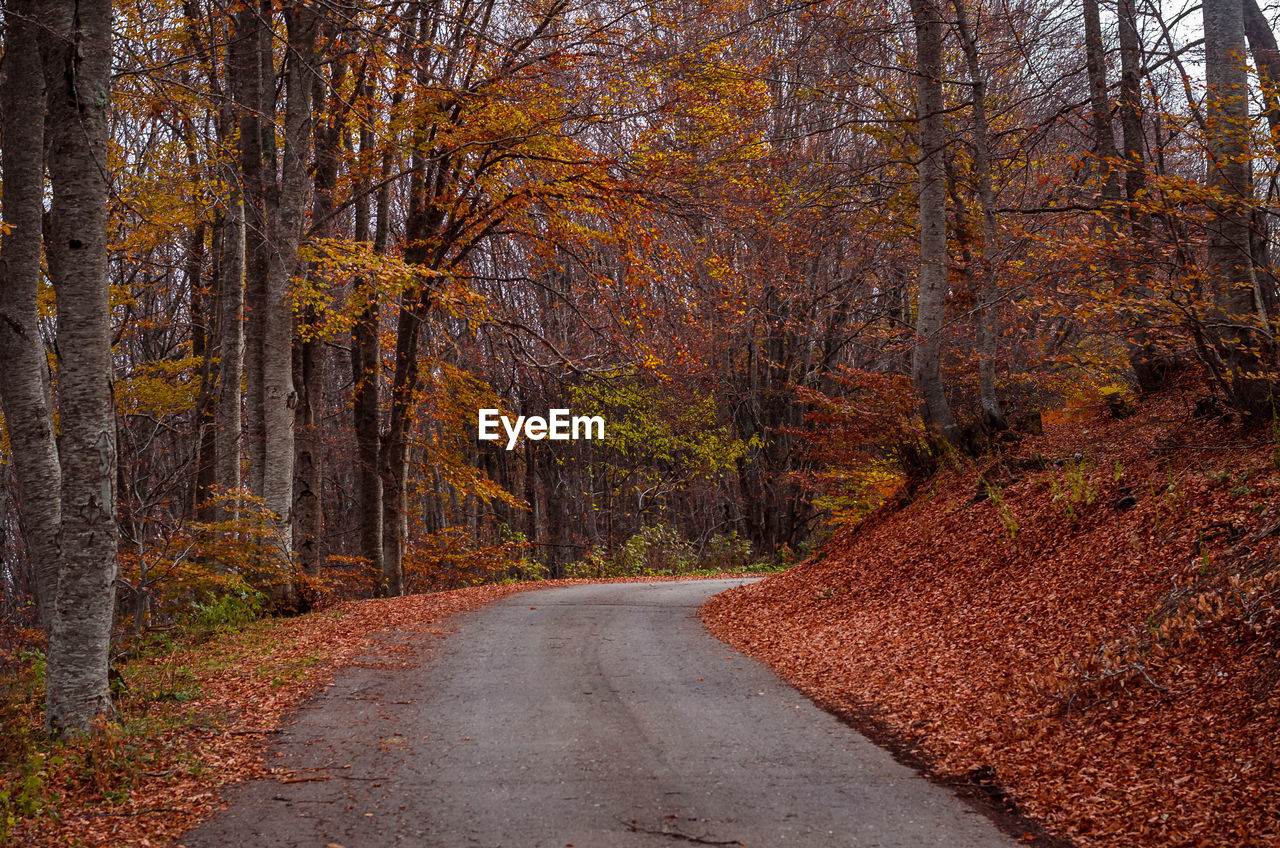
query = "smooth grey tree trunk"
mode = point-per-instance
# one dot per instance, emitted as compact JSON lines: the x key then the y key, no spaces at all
{"x":254,"y":115}
{"x":1233,"y":323}
{"x":227,"y":410}
{"x":278,"y":398}
{"x":932,"y":296}
{"x":24,"y":380}
{"x":274,"y":213}
{"x":76,"y":52}
{"x":1143,"y":356}
{"x":988,"y":309}
{"x":1266,"y":58}
{"x":1104,"y":140}
{"x":1135,"y":175}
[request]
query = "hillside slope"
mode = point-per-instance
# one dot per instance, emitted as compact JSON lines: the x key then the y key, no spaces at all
{"x":1089,"y":621}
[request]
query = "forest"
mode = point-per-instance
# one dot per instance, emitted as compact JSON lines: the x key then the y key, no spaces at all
{"x":263,"y":263}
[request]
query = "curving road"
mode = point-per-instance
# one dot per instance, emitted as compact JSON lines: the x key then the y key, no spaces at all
{"x":597,"y":716}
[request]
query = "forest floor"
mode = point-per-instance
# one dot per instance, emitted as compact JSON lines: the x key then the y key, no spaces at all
{"x":1084,"y":627}
{"x":196,"y":718}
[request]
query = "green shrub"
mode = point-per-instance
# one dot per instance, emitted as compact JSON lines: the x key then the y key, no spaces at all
{"x":661,"y":549}
{"x":526,"y":570}
{"x":592,"y":565}
{"x":656,"y":550}
{"x":1007,"y":520}
{"x":229,"y":609}
{"x":1073,"y":489}
{"x":727,"y":552}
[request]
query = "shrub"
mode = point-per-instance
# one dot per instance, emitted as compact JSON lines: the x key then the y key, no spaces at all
{"x":726,"y":552}
{"x":231,"y":606}
{"x":656,"y":550}
{"x":1073,"y":489}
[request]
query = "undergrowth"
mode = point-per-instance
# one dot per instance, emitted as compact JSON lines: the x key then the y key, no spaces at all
{"x":40,"y":775}
{"x":661,"y":550}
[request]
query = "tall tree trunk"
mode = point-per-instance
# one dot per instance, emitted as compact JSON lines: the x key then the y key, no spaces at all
{"x":204,"y":319}
{"x":24,"y":380}
{"x":1236,"y":328}
{"x":255,"y":113}
{"x":932,"y":297}
{"x":227,"y":412}
{"x":366,"y":366}
{"x":1266,"y":57}
{"x":274,"y":218}
{"x":204,"y":342}
{"x":431,"y":173}
{"x":309,"y":348}
{"x":216,"y":429}
{"x":1135,"y":174}
{"x":395,"y":448}
{"x":1104,"y":140}
{"x":76,"y":52}
{"x":277,"y":397}
{"x":1144,"y":358}
{"x":415,"y":308}
{"x":988,"y":311}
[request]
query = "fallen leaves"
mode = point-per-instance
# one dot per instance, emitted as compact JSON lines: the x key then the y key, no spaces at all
{"x":946,"y":630}
{"x":248,"y":682}
{"x":163,"y":775}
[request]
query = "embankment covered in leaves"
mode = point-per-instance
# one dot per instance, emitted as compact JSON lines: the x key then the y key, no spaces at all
{"x":1088,"y":620}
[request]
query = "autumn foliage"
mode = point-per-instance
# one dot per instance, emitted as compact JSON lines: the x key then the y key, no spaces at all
{"x":1087,"y":620}
{"x":825,"y":269}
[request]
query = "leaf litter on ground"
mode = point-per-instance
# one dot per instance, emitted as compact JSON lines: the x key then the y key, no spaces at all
{"x":199,"y":717}
{"x":1111,"y":664}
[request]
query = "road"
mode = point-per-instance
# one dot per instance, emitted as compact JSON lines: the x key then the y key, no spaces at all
{"x":596,"y":716}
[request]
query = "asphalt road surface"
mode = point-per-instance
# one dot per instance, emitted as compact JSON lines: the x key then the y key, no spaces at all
{"x":604,"y":718}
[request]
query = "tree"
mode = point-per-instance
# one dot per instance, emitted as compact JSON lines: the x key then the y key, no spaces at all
{"x":366,"y":355}
{"x":1237,"y":325}
{"x":988,"y":306}
{"x":309,"y":346}
{"x":75,"y":49}
{"x":1130,"y":104}
{"x":24,"y":379}
{"x":1146,"y":361}
{"x":275,"y":208}
{"x":1104,"y":141}
{"x":1266,"y":57}
{"x":926,"y":364}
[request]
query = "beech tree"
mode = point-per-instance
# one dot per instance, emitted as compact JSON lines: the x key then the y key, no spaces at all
{"x":926,"y":363}
{"x":58,"y":59}
{"x":24,"y":381}
{"x":988,"y":306}
{"x":1238,"y":325}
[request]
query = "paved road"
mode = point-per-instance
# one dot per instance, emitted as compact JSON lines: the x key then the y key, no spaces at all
{"x":604,"y":718}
